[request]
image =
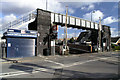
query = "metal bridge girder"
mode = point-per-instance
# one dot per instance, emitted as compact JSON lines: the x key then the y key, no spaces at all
{"x":73,"y":21}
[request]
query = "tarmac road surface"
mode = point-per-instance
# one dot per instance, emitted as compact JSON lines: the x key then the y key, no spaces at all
{"x":88,"y":65}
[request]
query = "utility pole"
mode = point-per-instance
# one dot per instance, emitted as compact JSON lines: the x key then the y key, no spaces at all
{"x":99,"y":35}
{"x":65,"y":30}
{"x":66,"y":25}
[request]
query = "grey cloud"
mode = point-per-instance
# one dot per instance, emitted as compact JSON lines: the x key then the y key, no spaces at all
{"x":12,"y":7}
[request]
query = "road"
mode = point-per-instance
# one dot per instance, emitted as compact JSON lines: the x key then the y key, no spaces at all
{"x":88,"y":65}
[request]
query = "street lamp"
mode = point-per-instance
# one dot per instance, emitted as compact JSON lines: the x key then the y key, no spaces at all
{"x":46,"y":4}
{"x":92,"y":14}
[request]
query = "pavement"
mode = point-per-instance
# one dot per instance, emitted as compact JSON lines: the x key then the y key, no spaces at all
{"x":37,"y":58}
{"x":27,"y":59}
{"x":88,"y":65}
{"x":18,"y":60}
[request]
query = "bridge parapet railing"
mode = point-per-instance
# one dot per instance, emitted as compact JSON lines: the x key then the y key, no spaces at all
{"x":20,"y":20}
{"x":73,"y":21}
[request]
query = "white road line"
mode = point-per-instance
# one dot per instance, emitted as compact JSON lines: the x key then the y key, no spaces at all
{"x":46,"y":58}
{"x":77,"y":63}
{"x":109,"y":59}
{"x":104,"y":58}
{"x":2,"y":76}
{"x":8,"y":74}
{"x":114,"y":60}
{"x":54,"y":62}
{"x":74,"y":64}
{"x":91,"y":56}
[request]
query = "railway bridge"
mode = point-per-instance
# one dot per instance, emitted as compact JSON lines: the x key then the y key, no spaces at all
{"x":42,"y":21}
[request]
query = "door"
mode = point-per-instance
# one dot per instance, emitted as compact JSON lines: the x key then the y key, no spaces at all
{"x":20,"y":47}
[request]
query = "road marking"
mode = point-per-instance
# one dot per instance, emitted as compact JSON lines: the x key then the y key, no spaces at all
{"x":8,"y":74}
{"x":46,"y":58}
{"x":91,"y":56}
{"x":74,"y":64}
{"x":109,"y":58}
{"x":78,"y":63}
{"x":54,"y":62}
{"x":115,"y":60}
{"x":103,"y":58}
{"x":117,"y":56}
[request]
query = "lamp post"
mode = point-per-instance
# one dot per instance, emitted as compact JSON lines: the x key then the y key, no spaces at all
{"x":92,"y":14}
{"x":46,"y":4}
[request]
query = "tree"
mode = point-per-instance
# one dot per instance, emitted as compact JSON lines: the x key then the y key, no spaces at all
{"x":72,"y":40}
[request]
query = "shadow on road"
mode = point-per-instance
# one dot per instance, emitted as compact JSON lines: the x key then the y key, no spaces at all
{"x":22,"y":68}
{"x":28,"y":67}
{"x":35,"y":65}
{"x":62,"y":73}
{"x":79,"y":74}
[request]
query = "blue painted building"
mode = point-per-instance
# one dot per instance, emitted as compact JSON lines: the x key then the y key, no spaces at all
{"x":20,"y":43}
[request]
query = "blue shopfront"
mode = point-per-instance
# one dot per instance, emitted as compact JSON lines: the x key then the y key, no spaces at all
{"x":20,"y":43}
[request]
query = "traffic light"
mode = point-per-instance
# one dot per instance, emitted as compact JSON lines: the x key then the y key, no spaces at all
{"x":54,"y":36}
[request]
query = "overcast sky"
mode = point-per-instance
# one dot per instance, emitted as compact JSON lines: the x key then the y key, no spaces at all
{"x":108,"y":11}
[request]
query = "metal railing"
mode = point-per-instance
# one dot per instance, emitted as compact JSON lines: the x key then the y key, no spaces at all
{"x":86,"y":37}
{"x":20,"y":20}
